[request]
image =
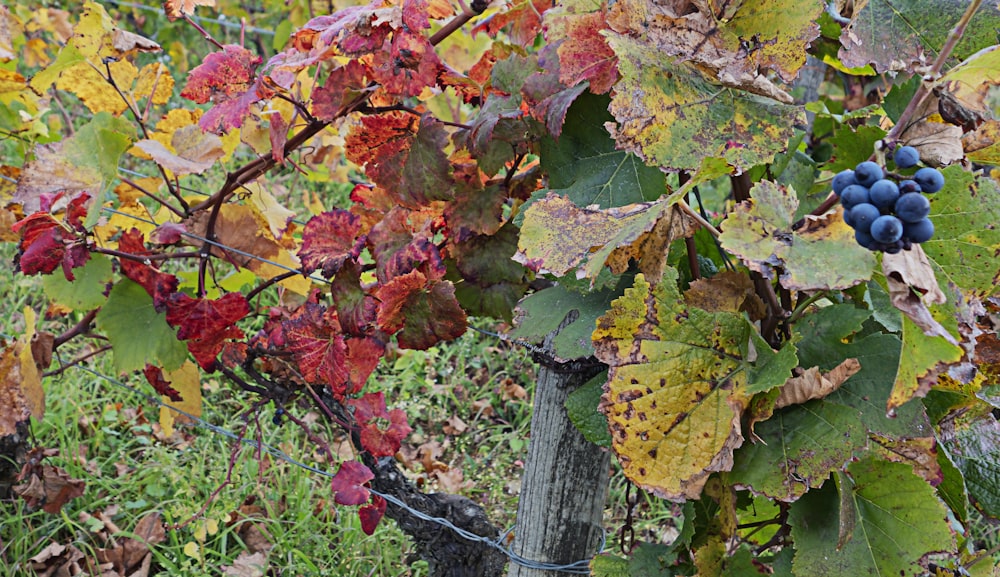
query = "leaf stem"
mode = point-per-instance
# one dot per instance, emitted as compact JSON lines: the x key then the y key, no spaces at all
{"x":922,"y":91}
{"x":800,"y":309}
{"x":204,"y":32}
{"x":697,"y":217}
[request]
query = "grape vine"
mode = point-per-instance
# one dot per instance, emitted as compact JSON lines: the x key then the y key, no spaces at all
{"x":814,"y":340}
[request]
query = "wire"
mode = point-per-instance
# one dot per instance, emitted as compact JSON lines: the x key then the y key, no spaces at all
{"x":581,"y":567}
{"x":219,"y":21}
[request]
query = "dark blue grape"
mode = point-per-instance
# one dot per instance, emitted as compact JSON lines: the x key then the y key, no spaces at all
{"x":918,"y":232}
{"x":887,"y":229}
{"x":883,"y":194}
{"x":867,"y":173}
{"x":842,"y":180}
{"x":892,"y":248}
{"x":906,"y":156}
{"x":865,"y":240}
{"x":912,"y":207}
{"x":906,"y":186}
{"x":930,"y":179}
{"x":853,"y":195}
{"x":862,"y":216}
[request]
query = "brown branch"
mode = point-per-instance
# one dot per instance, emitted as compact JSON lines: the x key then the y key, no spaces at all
{"x":204,"y":32}
{"x":454,"y":24}
{"x":76,"y":361}
{"x":144,"y":258}
{"x":271,"y":281}
{"x":79,"y":328}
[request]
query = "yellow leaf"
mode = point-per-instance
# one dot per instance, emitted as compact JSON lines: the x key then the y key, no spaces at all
{"x":676,"y":387}
{"x":273,"y":212}
{"x":120,"y":221}
{"x":13,"y":406}
{"x":154,"y":79}
{"x":31,"y":380}
{"x":93,"y":88}
{"x":187,"y":382}
{"x":192,"y":550}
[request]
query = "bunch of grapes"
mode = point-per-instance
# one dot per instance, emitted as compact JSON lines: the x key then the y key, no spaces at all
{"x":886,"y":215}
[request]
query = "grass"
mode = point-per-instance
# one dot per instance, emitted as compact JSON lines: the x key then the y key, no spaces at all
{"x":109,"y":437}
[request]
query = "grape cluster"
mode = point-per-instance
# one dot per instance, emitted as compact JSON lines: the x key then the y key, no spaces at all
{"x":887,"y":215}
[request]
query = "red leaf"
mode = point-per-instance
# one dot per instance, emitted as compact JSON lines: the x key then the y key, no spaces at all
{"x":382,"y":431}
{"x":226,"y":78}
{"x":350,"y":29}
{"x":347,"y":484}
{"x":42,"y":246}
{"x":46,"y":243}
{"x":404,"y":157}
{"x":410,"y":65}
{"x":159,"y":285}
{"x":342,"y":86}
{"x":316,"y":341}
{"x":206,"y":324}
{"x":524,"y":20}
{"x":155,"y":377}
{"x":328,"y":240}
{"x":371,"y":514}
{"x":425,"y":310}
{"x":356,"y":309}
{"x":223,"y":75}
{"x":585,"y":54}
{"x":363,"y":355}
{"x":398,"y":252}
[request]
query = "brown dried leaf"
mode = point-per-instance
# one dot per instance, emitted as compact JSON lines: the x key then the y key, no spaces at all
{"x":247,"y":564}
{"x":812,"y":384}
{"x":913,"y":286}
{"x":454,"y":426}
{"x":195,"y":151}
{"x":938,"y":142}
{"x":727,"y":291}
{"x":125,"y":41}
{"x":179,"y":8}
{"x":47,"y":486}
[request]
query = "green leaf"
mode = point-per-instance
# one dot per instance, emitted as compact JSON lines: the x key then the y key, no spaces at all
{"x":891,"y":519}
{"x":84,"y":293}
{"x":540,"y":313}
{"x":581,"y":408}
{"x":138,"y":334}
{"x":674,"y":118}
{"x":608,"y":565}
{"x":899,"y":97}
{"x":974,"y":444}
{"x":585,"y":166}
{"x":798,"y":448}
{"x":891,"y":34}
{"x":676,"y":387}
{"x":853,"y":146}
{"x":651,"y":560}
{"x":966,"y":239}
{"x":952,"y":488}
{"x":823,"y":257}
{"x":918,"y":363}
{"x":770,"y":368}
{"x":828,"y":337}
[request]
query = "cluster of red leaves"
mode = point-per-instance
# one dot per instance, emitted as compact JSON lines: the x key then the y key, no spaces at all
{"x":48,"y":242}
{"x":349,"y":487}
